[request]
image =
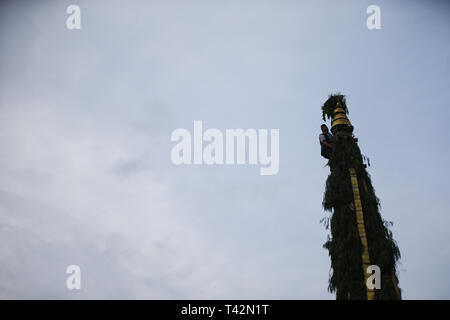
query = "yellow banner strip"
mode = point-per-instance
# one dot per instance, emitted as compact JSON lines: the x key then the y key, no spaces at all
{"x":362,"y":231}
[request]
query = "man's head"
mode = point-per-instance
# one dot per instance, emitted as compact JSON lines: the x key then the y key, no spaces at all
{"x":324,"y":128}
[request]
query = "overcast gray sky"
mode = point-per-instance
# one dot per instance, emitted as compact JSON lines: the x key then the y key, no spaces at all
{"x":85,"y":123}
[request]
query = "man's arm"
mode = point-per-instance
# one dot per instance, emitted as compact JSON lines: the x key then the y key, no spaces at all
{"x":326,"y":144}
{"x":323,"y":141}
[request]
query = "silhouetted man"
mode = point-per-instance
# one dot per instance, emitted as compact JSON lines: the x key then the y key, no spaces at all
{"x":326,"y":142}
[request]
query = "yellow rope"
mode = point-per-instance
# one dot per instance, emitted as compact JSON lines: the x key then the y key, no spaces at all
{"x":362,"y":231}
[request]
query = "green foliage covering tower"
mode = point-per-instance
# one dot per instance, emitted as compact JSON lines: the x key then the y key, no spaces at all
{"x":355,"y":238}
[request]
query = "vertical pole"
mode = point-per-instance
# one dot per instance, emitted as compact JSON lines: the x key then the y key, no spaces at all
{"x":362,"y":232}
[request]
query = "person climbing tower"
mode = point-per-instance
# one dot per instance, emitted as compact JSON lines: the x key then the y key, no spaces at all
{"x":326,"y":142}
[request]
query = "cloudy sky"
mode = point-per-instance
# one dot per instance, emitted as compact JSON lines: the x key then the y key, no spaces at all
{"x":85,"y":123}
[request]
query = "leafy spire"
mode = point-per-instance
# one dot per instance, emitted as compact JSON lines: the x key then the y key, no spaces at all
{"x":334,"y":100}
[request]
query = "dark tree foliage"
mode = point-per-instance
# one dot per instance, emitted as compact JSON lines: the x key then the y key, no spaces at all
{"x":333,"y":101}
{"x":344,"y":245}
